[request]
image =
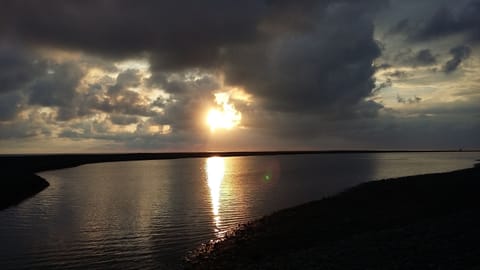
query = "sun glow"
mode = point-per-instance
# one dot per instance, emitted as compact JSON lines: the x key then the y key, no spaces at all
{"x":215,"y":168}
{"x":225,"y":116}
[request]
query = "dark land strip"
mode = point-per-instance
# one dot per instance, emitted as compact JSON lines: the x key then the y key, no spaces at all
{"x":427,"y":221}
{"x":20,"y":182}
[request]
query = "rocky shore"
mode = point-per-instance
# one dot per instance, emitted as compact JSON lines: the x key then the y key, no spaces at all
{"x":419,"y":222}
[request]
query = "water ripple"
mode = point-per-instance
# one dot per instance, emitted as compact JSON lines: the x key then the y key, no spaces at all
{"x":148,"y":214}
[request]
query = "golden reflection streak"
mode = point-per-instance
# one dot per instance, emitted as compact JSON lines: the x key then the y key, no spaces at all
{"x":215,"y":167}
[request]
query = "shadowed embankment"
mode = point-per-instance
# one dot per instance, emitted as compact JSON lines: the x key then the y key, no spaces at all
{"x":418,"y":222}
{"x":17,"y":186}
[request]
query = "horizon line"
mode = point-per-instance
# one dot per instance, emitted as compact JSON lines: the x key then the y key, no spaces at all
{"x":250,"y":152}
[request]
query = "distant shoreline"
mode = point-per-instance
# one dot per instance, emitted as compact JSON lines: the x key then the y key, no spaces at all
{"x":425,"y":221}
{"x":43,"y":162}
{"x":244,"y":153}
{"x":21,"y":181}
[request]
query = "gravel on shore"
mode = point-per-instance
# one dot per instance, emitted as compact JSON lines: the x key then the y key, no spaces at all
{"x":419,"y":222}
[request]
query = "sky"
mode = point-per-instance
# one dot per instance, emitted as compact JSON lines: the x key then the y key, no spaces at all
{"x":228,"y":75}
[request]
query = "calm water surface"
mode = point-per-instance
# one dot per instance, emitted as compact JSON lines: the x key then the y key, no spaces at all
{"x":148,"y":214}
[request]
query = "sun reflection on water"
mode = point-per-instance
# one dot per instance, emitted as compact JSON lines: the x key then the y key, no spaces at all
{"x":215,"y":167}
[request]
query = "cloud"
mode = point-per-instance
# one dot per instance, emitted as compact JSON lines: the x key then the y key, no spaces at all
{"x":119,"y":98}
{"x":119,"y":119}
{"x":168,"y":29}
{"x":33,"y":124}
{"x":306,"y":67}
{"x":18,"y":67}
{"x":126,"y":79}
{"x":411,"y":100}
{"x":28,"y":79}
{"x":411,"y":58}
{"x":448,"y":18}
{"x":258,"y":44}
{"x":326,"y":67}
{"x":387,"y":83}
{"x":10,"y":105}
{"x":425,"y":57}
{"x":442,"y":23}
{"x":459,"y":53}
{"x":402,"y":26}
{"x":396,"y":74}
{"x":57,"y":88}
{"x":192,"y":94}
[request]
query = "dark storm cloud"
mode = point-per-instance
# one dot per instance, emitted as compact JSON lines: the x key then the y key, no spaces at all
{"x":127,"y":102}
{"x":57,"y":89}
{"x":28,"y":79}
{"x":18,"y":67}
{"x":10,"y":104}
{"x":304,"y":62}
{"x":442,"y":23}
{"x":182,"y":83}
{"x":447,"y":19}
{"x":459,"y":54}
{"x":119,"y":119}
{"x":126,"y":79}
{"x":121,"y":28}
{"x":115,"y":96}
{"x":402,"y":26}
{"x":295,"y":55}
{"x":425,"y":57}
{"x":324,"y":68}
{"x":192,"y":96}
{"x":409,"y":57}
{"x":383,"y":66}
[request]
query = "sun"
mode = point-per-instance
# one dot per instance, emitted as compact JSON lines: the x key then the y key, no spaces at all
{"x":218,"y":119}
{"x":223,"y":116}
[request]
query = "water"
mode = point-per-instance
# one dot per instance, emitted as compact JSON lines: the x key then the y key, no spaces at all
{"x":148,"y":214}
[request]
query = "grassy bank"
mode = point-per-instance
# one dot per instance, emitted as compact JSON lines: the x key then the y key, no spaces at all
{"x":418,"y":222}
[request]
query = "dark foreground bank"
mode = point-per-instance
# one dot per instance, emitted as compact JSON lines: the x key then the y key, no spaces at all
{"x":17,"y":186}
{"x":419,"y":222}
